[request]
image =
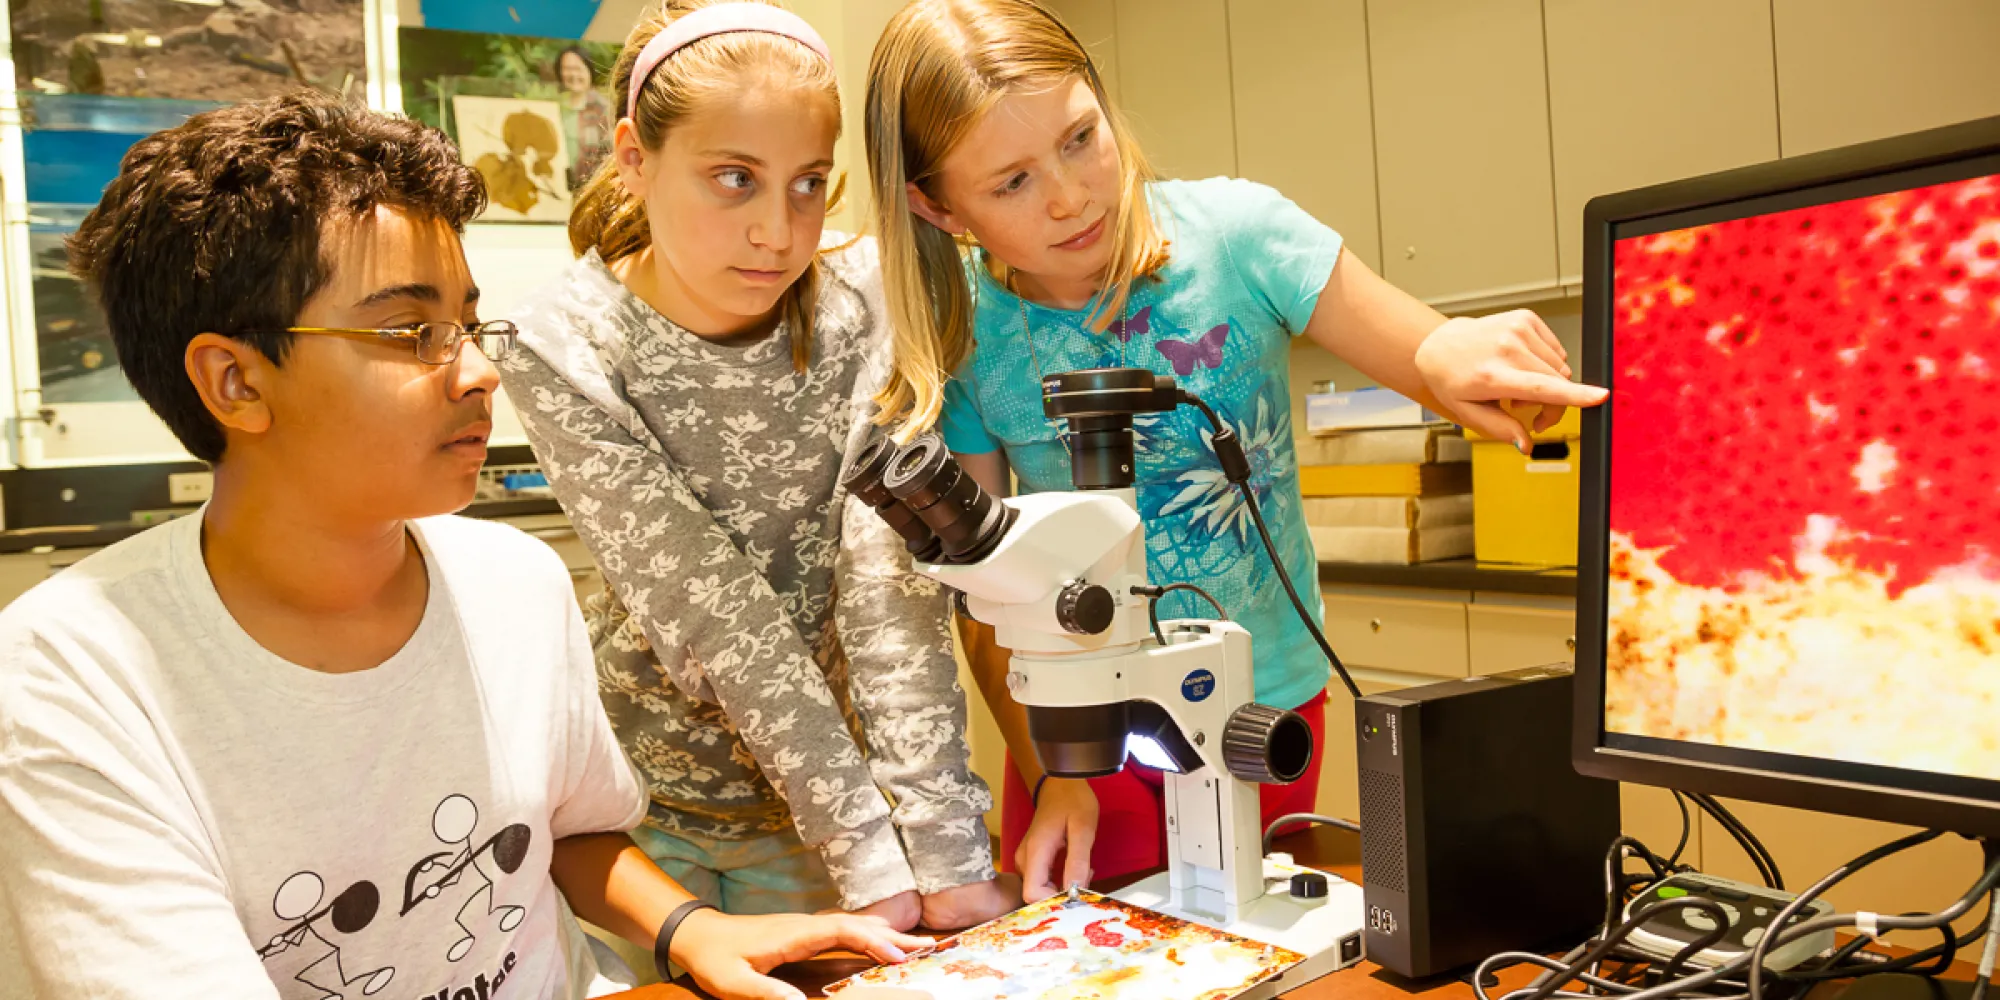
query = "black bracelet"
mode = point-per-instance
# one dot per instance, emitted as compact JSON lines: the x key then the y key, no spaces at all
{"x":666,"y":938}
{"x":1036,"y":799}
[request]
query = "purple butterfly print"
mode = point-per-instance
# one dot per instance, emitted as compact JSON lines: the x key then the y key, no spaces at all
{"x":1186,"y":355}
{"x":1139,"y":324}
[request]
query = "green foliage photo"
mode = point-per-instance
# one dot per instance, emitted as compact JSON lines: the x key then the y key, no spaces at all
{"x":439,"y":65}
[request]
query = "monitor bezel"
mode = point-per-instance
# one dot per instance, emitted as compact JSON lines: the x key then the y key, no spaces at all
{"x":1882,"y":793}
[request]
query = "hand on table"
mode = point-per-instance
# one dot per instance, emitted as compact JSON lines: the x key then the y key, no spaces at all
{"x":1478,"y":366}
{"x":1065,"y":822}
{"x":729,"y":956}
{"x":972,"y":904}
{"x":902,"y":911}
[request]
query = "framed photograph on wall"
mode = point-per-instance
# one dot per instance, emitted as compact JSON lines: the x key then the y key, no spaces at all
{"x":517,"y":146}
{"x":438,"y":67}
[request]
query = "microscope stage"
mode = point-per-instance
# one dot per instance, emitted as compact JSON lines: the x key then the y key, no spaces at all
{"x":1327,"y":931}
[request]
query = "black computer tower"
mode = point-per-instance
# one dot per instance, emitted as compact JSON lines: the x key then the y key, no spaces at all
{"x":1477,"y":834}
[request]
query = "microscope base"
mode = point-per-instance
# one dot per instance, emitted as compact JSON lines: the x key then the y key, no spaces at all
{"x":1326,"y":931}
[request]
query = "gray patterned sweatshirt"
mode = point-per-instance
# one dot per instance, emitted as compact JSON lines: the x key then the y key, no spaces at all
{"x":759,"y":627}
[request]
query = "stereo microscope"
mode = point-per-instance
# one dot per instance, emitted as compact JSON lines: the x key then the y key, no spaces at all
{"x":1062,"y":579}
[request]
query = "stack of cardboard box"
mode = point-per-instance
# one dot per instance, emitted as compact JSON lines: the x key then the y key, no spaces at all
{"x":1396,"y":495}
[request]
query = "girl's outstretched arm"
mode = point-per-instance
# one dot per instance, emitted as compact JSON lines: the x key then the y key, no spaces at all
{"x":1470,"y":368}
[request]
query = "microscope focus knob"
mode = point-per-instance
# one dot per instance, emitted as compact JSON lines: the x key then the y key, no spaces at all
{"x":1085,"y":608}
{"x":1308,"y":885}
{"x":1265,"y":745}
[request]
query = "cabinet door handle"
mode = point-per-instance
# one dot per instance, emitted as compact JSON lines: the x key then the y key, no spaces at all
{"x":1570,"y":643}
{"x":1375,"y":625}
{"x":1409,"y":253}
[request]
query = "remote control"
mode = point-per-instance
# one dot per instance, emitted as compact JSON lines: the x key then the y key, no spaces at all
{"x":1752,"y":910}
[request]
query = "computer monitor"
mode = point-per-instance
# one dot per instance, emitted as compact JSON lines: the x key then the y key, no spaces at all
{"x":1789,"y":560}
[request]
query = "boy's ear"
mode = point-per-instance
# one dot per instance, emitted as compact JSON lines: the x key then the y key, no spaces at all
{"x":932,"y":211}
{"x":229,"y":375}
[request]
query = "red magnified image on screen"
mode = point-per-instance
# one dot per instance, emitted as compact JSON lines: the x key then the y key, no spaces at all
{"x":1804,"y":491}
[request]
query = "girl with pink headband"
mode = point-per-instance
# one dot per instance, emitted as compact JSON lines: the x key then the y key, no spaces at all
{"x":694,"y":386}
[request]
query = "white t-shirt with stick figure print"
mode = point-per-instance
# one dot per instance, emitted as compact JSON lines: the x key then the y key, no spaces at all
{"x":186,"y":814}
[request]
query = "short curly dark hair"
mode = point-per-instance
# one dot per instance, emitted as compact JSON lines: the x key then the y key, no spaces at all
{"x":215,"y":226}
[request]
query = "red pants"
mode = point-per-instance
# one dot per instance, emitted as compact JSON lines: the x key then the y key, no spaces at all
{"x":1131,"y":833}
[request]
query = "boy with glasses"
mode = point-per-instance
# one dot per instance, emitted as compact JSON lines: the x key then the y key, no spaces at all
{"x":319,"y":740}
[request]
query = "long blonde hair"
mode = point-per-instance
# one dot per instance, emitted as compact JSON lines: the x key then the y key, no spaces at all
{"x":612,"y":221}
{"x":940,"y":66}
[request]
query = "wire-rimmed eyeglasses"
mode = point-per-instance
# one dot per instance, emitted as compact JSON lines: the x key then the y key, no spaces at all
{"x":435,"y":343}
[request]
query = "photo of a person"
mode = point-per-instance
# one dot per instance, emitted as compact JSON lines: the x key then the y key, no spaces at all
{"x":586,"y":114}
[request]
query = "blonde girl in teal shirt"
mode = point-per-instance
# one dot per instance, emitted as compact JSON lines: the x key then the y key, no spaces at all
{"x":987,"y":125}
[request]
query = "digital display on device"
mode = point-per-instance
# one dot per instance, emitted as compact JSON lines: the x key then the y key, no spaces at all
{"x":1804,"y":482}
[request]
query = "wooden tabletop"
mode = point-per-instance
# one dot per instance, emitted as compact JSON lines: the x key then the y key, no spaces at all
{"x":1327,"y":849}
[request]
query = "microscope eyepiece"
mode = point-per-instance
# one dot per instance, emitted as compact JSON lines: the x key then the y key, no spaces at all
{"x":864,"y":480}
{"x":967,"y":521}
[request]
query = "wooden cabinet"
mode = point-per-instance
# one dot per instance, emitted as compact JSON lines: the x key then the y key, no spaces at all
{"x":1854,"y":70}
{"x":1304,"y":124}
{"x":1512,"y":635}
{"x":1462,"y":148}
{"x":1173,"y":81}
{"x":1646,"y":91}
{"x":1425,"y":637}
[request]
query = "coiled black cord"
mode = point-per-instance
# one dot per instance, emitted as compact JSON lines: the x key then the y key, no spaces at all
{"x":1236,"y":468}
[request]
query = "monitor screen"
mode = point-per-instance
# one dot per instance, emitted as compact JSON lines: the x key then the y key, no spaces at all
{"x":1803,"y":482}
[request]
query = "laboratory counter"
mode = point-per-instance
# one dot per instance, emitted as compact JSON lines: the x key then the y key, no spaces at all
{"x":84,"y":536}
{"x":1455,"y":574}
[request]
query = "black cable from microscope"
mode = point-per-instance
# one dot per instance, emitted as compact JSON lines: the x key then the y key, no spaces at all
{"x":1271,"y":832}
{"x":1236,"y":467}
{"x":1153,"y":595}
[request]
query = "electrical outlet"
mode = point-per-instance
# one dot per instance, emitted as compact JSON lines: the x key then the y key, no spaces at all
{"x":190,"y":487}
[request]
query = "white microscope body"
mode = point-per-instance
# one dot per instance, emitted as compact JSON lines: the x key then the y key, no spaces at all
{"x":1195,"y":691}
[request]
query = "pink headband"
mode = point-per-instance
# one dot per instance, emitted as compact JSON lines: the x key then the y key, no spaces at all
{"x":719,"y":19}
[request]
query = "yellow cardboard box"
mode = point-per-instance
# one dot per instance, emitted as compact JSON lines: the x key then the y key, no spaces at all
{"x":1523,"y":507}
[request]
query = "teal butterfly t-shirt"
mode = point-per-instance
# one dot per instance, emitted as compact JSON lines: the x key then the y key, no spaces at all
{"x":1245,"y":270}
